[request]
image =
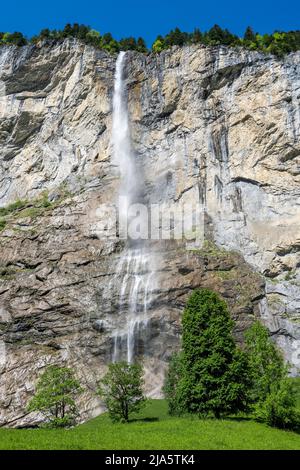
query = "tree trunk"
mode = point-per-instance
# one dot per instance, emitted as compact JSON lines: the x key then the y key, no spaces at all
{"x":126,"y":413}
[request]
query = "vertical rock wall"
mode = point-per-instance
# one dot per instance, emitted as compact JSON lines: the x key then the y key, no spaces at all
{"x":214,"y":125}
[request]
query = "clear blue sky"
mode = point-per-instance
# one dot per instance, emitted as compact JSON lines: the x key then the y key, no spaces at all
{"x":148,"y":18}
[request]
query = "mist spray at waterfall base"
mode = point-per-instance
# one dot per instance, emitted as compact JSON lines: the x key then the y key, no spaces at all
{"x":135,"y":274}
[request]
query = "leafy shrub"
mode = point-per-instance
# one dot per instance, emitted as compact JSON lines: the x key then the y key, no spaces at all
{"x":279,"y":408}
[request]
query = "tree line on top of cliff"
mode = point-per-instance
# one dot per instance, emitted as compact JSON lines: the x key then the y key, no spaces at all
{"x":279,"y":43}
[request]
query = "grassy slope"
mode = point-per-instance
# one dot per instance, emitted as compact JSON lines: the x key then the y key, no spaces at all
{"x":151,"y":432}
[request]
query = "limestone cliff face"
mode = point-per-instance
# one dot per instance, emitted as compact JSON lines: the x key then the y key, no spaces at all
{"x":214,"y":125}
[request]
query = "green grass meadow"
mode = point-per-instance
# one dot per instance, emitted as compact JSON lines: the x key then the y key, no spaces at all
{"x":154,"y":429}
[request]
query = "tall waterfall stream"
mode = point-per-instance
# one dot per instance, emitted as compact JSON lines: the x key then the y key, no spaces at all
{"x":135,"y":272}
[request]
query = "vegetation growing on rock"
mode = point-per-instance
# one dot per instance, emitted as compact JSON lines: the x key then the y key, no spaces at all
{"x":23,"y":208}
{"x":278,"y":43}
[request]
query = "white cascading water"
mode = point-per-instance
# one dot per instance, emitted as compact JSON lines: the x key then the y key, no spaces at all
{"x":122,"y":150}
{"x":135,"y":274}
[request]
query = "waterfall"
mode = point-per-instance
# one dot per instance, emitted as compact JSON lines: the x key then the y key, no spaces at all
{"x":135,"y":273}
{"x":123,"y":156}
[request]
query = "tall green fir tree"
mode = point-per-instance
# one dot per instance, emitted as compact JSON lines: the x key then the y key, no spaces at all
{"x":213,"y":371}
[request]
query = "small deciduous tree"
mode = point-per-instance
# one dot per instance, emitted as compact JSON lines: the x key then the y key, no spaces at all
{"x":15,"y":38}
{"x":92,"y":37}
{"x":122,"y":390}
{"x":159,"y":44}
{"x":55,"y":396}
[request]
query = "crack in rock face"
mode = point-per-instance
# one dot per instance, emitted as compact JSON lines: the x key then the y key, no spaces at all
{"x":214,"y":126}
